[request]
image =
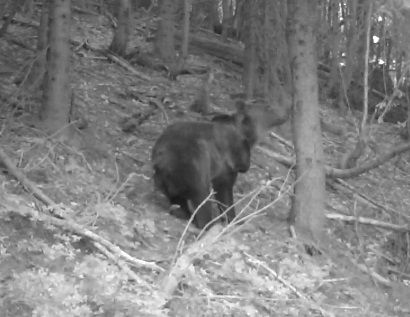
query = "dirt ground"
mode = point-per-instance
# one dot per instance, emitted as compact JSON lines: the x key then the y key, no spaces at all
{"x":104,"y":184}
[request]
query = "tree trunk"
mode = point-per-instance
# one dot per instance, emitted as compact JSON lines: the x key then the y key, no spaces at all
{"x":164,"y":39}
{"x":57,"y":90}
{"x":226,"y":17}
{"x":308,"y":202}
{"x":250,"y":56}
{"x":334,"y":46}
{"x":122,"y":32}
{"x":185,"y":34}
{"x":204,"y":14}
{"x":36,"y":75}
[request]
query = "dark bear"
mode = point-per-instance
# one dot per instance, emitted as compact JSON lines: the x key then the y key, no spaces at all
{"x":190,"y":158}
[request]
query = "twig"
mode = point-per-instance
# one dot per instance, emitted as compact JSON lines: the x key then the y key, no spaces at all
{"x":161,"y":107}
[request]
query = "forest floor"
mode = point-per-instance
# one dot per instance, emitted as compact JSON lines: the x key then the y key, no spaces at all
{"x":105,"y":184}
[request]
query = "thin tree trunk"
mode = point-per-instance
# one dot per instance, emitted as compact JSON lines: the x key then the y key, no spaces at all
{"x":57,"y":90}
{"x":308,"y":202}
{"x":226,"y":17}
{"x":334,"y":39}
{"x":185,"y":37}
{"x":349,"y":160}
{"x":366,"y":69}
{"x":122,"y":32}
{"x":408,"y":110}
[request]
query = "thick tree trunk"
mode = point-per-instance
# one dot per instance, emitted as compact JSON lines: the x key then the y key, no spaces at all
{"x":164,"y":39}
{"x":308,"y":203}
{"x":57,"y":90}
{"x":122,"y":32}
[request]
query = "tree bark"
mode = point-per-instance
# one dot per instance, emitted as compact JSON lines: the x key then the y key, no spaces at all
{"x":36,"y":75}
{"x":185,"y":34}
{"x":308,"y":202}
{"x":57,"y":90}
{"x":350,"y":160}
{"x":226,"y":18}
{"x":250,"y":58}
{"x":122,"y":32}
{"x":164,"y":39}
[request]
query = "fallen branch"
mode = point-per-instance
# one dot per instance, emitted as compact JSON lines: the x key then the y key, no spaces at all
{"x":369,"y":221}
{"x":311,"y":302}
{"x":123,"y":63}
{"x":376,"y":276}
{"x":27,"y":184}
{"x":289,"y":162}
{"x":344,"y":173}
{"x":283,"y":159}
{"x":84,"y":11}
{"x":347,"y":173}
{"x":194,"y":252}
{"x":336,"y":172}
{"x":66,"y":224}
{"x":369,"y":201}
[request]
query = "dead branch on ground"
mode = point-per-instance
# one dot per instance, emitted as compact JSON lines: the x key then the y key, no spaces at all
{"x":194,"y":252}
{"x":336,"y":174}
{"x":306,"y":298}
{"x":351,"y":172}
{"x":369,"y":221}
{"x":67,"y":224}
{"x":123,"y":63}
{"x":343,"y":185}
{"x":342,"y":173}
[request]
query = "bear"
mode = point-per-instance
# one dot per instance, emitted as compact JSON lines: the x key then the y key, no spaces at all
{"x":190,"y":159}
